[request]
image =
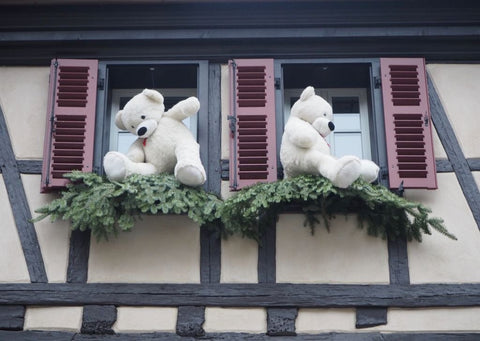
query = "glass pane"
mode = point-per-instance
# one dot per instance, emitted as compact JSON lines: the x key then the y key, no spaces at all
{"x":347,"y":122}
{"x":125,"y":140}
{"x":345,"y":105}
{"x":348,"y":144}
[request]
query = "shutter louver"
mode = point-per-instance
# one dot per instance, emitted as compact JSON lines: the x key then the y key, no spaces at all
{"x":408,"y":124}
{"x":70,"y":125}
{"x":253,"y":138}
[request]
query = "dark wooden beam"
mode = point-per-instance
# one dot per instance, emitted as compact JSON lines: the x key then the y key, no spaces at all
{"x":98,"y":319}
{"x":190,"y":320}
{"x":454,"y":152}
{"x":243,"y":295}
{"x":370,"y":317}
{"x":20,"y":208}
{"x":281,"y":321}
{"x":30,"y":166}
{"x":372,"y":336}
{"x":77,"y":271}
{"x":12,"y":317}
{"x":443,"y":166}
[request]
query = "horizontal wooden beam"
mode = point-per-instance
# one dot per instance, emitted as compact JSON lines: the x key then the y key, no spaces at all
{"x":242,"y":295}
{"x":375,"y":336}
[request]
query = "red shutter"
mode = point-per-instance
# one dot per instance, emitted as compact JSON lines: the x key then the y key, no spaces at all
{"x":70,"y":128}
{"x":408,"y":123}
{"x":253,"y":139}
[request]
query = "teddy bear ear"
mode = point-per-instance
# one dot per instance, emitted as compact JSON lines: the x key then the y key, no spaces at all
{"x":153,"y":95}
{"x":119,"y":121}
{"x":307,"y":93}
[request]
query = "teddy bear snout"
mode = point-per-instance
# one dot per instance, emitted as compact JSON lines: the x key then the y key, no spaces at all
{"x":146,"y":128}
{"x":331,"y":126}
{"x":141,"y":131}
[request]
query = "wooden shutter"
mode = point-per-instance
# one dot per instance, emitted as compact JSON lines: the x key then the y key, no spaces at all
{"x":70,"y":124}
{"x":252,"y":121}
{"x":408,"y":123}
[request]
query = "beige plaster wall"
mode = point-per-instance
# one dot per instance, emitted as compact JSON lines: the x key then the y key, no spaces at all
{"x":159,"y":249}
{"x":440,"y":259}
{"x":438,"y":149}
{"x":23,"y":99}
{"x":476,"y":176}
{"x":145,"y":319}
{"x":312,"y":321}
{"x":237,"y":320}
{"x":239,"y":260}
{"x":458,"y":88}
{"x":13,"y":267}
{"x":53,"y":318}
{"x":345,"y":255}
{"x":54,"y":238}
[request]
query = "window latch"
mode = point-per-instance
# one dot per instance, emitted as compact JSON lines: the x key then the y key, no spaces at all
{"x":233,"y":123}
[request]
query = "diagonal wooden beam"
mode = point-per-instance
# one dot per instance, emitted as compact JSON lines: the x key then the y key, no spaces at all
{"x":20,"y":208}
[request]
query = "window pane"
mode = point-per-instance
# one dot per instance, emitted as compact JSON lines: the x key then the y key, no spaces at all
{"x":347,"y":122}
{"x":125,"y":139}
{"x":348,"y":144}
{"x":345,"y":105}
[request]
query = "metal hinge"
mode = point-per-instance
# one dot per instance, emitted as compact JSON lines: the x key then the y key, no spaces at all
{"x":101,"y":84}
{"x":278,"y":83}
{"x":377,"y":82}
{"x":233,"y":123}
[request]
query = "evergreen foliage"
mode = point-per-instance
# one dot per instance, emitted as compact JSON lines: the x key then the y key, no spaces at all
{"x":92,"y":202}
{"x":382,"y":212}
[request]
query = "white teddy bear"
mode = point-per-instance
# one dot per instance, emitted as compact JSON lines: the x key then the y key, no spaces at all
{"x":304,"y":149}
{"x":164,"y":143}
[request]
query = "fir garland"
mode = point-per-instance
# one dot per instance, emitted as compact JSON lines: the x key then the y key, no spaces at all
{"x":384,"y":213}
{"x":92,"y":202}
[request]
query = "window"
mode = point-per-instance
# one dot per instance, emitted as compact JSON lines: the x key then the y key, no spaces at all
{"x":380,"y":109}
{"x":84,"y":97}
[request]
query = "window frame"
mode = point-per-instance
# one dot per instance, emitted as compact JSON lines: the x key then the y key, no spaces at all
{"x":374,"y":100}
{"x":104,"y":110}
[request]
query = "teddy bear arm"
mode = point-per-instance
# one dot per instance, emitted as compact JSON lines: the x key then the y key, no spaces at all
{"x":300,"y":133}
{"x":135,"y":152}
{"x":184,"y":109}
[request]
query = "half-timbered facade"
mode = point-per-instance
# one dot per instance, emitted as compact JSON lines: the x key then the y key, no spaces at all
{"x":403,"y":78}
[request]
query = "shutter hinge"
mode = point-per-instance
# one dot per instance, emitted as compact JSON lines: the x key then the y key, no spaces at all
{"x":277,"y":83}
{"x":426,"y":119}
{"x":383,"y":173}
{"x":377,"y":82}
{"x":233,"y":123}
{"x":101,"y":84}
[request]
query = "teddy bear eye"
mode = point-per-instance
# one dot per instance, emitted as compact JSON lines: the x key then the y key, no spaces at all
{"x":133,"y":127}
{"x":142,"y":117}
{"x":324,"y":114}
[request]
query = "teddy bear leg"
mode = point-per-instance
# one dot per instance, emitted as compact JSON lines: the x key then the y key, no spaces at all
{"x":189,"y":169}
{"x":345,"y":171}
{"x":369,"y":170}
{"x":115,"y":165}
{"x":348,"y":171}
{"x":118,"y":166}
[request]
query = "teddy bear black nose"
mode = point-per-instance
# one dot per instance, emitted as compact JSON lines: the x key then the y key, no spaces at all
{"x":141,"y":131}
{"x":331,"y":126}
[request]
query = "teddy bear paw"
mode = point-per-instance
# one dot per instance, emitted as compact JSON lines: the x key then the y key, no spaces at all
{"x":369,"y":171}
{"x":115,"y":166}
{"x":348,"y":171}
{"x":190,"y":175}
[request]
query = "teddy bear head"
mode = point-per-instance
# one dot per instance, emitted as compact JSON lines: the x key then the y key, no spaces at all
{"x":314,"y":110}
{"x":141,"y":114}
